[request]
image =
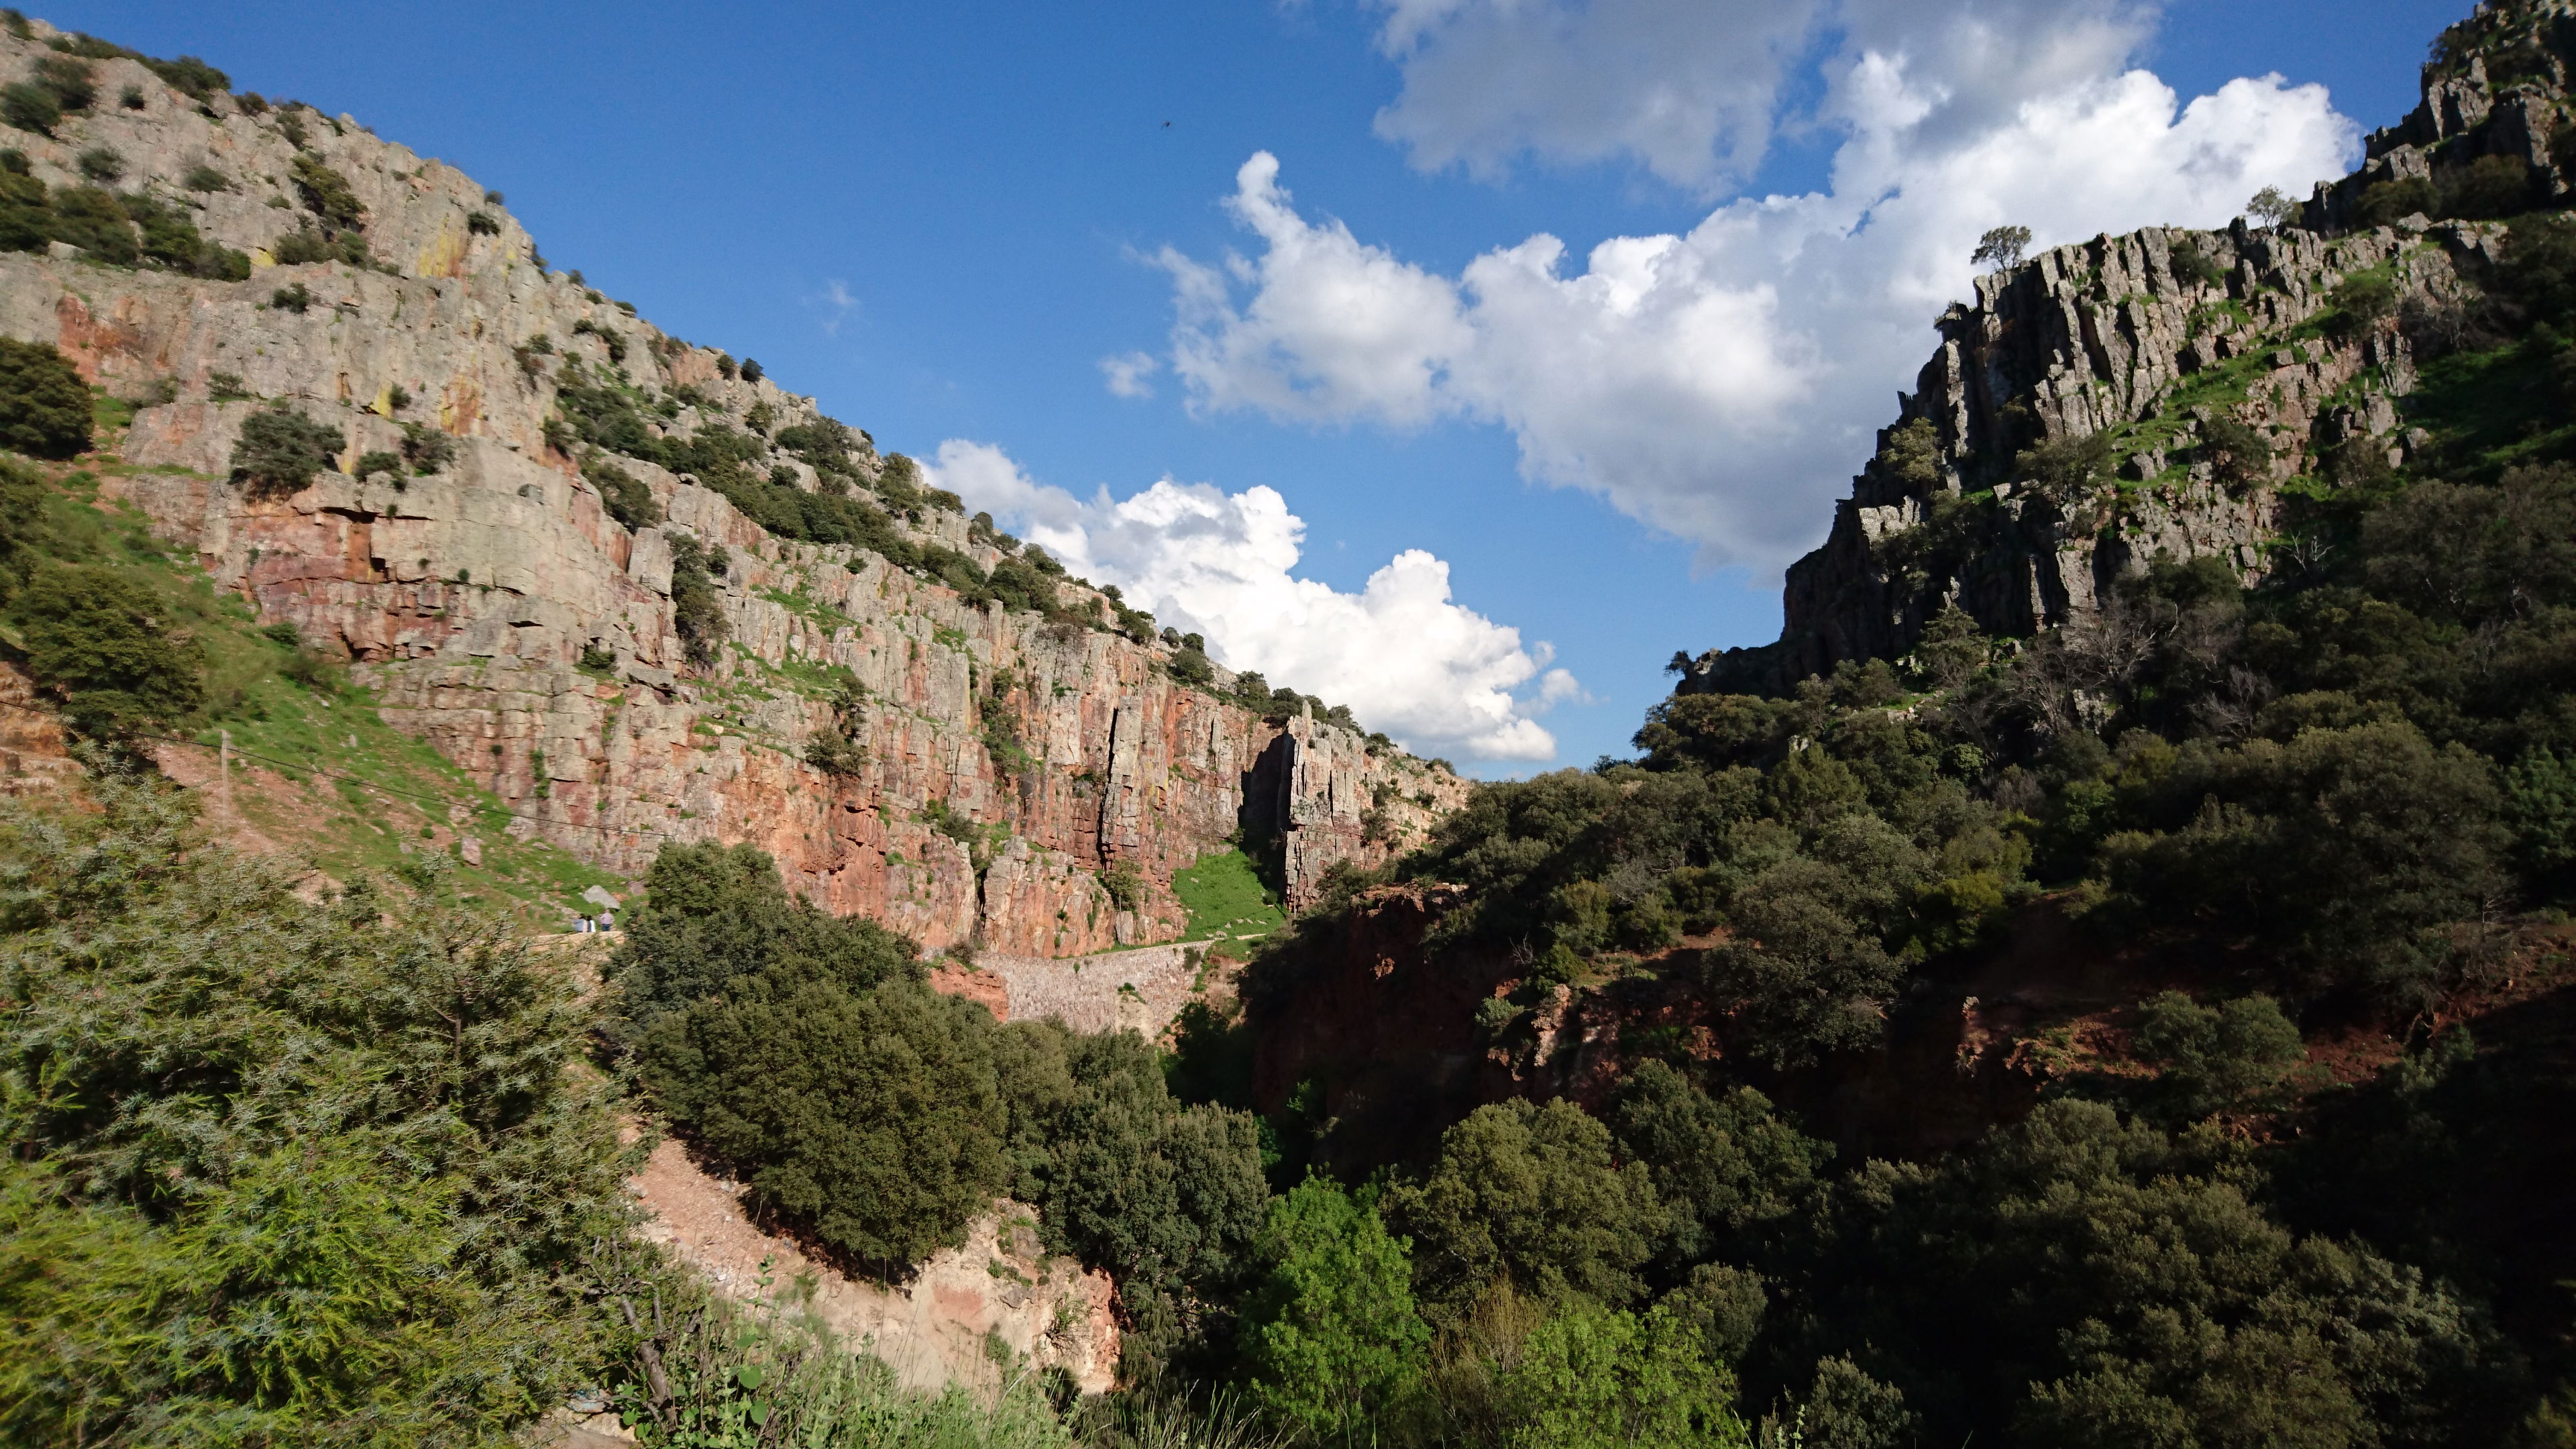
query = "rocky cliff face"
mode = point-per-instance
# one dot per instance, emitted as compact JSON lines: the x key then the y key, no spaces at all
{"x":2497,"y":85}
{"x":2152,"y":345}
{"x":1017,"y":773}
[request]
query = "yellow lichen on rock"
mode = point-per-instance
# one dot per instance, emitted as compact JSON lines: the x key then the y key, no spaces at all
{"x":445,"y":254}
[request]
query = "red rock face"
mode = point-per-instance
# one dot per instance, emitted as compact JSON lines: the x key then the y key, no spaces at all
{"x":1018,"y":775}
{"x":35,"y":756}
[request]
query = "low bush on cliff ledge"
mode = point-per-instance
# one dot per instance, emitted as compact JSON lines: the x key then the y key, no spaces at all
{"x":280,"y":450}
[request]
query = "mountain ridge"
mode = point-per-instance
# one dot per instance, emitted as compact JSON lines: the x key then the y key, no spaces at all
{"x":1027,"y":778}
{"x":2141,"y":340}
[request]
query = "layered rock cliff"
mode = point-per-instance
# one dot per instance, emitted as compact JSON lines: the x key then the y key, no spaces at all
{"x":1027,"y":779}
{"x":2157,"y":394}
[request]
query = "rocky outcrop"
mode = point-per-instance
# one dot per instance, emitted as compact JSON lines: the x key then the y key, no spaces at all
{"x":1026,"y":783}
{"x":2497,"y":85}
{"x":2153,"y":343}
{"x":2113,"y":336}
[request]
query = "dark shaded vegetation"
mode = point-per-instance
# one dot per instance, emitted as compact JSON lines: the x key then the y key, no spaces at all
{"x":2344,"y":798}
{"x":44,"y":405}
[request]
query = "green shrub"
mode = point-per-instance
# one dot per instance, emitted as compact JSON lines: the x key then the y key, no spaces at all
{"x":608,"y":338}
{"x":280,"y":450}
{"x":428,"y":450}
{"x":1329,"y":1338}
{"x":2491,"y":186}
{"x":30,"y":107}
{"x":622,"y":494}
{"x":2362,"y":300}
{"x":102,"y":163}
{"x":2068,"y":469}
{"x":44,"y":405}
{"x":104,"y":646}
{"x":834,"y":753}
{"x":2334,"y":852}
{"x":2193,"y":265}
{"x":697,"y":609}
{"x":1589,"y":1378}
{"x":26,"y":223}
{"x":2240,"y":455}
{"x":2385,"y":203}
{"x":2148,"y":1289}
{"x":379,"y":461}
{"x":292,"y":299}
{"x":1724,"y":1165}
{"x":1124,"y":887}
{"x":96,"y":222}
{"x":482,"y":223}
{"x":806,"y":1048}
{"x":296,"y":1166}
{"x":193,"y":78}
{"x":74,"y":84}
{"x":302,"y":246}
{"x":2540,"y":267}
{"x":205,"y":178}
{"x":2236,"y":1056}
{"x":171,"y":240}
{"x":1164,"y":1197}
{"x":1531,"y":1195}
{"x":326,"y":193}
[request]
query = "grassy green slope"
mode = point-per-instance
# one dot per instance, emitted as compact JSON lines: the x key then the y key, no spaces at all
{"x":1226,"y":899}
{"x":318,"y":774}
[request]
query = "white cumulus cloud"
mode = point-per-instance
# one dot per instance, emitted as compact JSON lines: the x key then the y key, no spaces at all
{"x":1722,"y":384}
{"x":1127,"y":372}
{"x":1405,"y":656}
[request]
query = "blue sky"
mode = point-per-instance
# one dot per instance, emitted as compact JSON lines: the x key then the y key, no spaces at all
{"x":940,"y":219}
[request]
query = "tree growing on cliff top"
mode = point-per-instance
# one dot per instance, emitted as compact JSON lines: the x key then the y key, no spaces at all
{"x":2001,"y":247}
{"x":2271,"y":207}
